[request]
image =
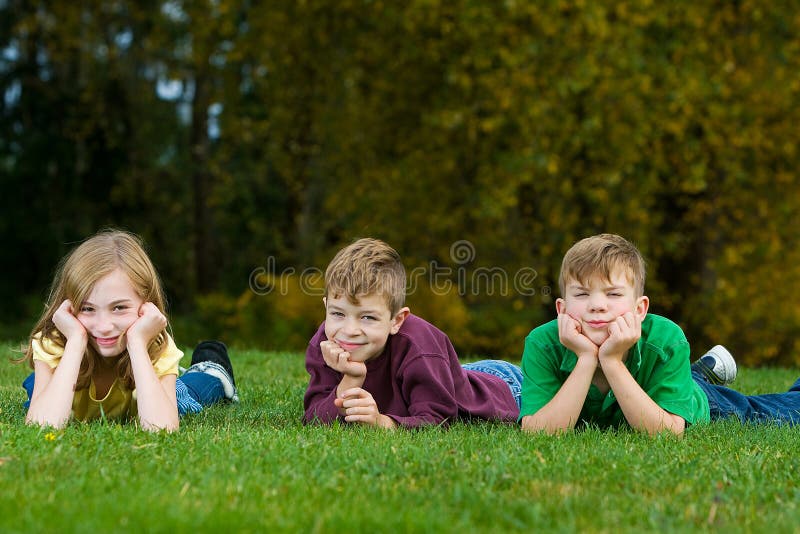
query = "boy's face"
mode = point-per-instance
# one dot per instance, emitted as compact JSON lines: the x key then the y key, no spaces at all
{"x":361,"y":329}
{"x":598,"y":302}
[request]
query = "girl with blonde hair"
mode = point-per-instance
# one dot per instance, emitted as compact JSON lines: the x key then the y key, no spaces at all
{"x":102,"y":349}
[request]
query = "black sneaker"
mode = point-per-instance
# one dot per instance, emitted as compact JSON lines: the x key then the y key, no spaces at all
{"x":211,"y":357}
{"x":717,"y":365}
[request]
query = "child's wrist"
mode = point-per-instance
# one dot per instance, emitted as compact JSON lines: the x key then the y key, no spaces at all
{"x":589,"y":357}
{"x":610,"y":361}
{"x":136,"y":345}
{"x":352,"y":376}
{"x":349,"y":382}
{"x":78,"y":338}
{"x":77,"y":342}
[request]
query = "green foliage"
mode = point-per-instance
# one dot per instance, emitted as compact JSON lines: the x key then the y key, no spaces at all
{"x":517,"y":126}
{"x":255,"y":467}
{"x":282,"y":311}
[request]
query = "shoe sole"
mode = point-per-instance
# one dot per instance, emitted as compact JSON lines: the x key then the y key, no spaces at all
{"x":726,"y":361}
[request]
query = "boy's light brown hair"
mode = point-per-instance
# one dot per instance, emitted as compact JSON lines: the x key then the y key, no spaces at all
{"x":367,"y":267}
{"x":601,"y":255}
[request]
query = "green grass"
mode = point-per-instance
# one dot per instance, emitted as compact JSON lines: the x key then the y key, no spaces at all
{"x":254,"y":467}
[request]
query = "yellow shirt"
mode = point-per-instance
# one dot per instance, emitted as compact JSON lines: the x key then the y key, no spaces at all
{"x":119,"y":402}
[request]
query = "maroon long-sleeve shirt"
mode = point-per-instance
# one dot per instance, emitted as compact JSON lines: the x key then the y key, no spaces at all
{"x":417,"y":380}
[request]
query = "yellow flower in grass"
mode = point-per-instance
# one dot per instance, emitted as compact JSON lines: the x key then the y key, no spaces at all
{"x":50,"y":436}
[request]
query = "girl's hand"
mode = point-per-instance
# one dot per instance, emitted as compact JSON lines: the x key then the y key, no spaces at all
{"x":69,"y":325}
{"x":150,"y":322}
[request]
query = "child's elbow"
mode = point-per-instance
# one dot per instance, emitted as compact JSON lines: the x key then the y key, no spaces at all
{"x":527,"y":424}
{"x":533,"y":423}
{"x":671,"y":424}
{"x":678,"y":425}
{"x":44,"y":420}
{"x":170,"y":425}
{"x":668,"y":430}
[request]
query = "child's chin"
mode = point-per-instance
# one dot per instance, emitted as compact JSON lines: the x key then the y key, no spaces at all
{"x":109,"y":351}
{"x":598,"y":339}
{"x":365,"y":357}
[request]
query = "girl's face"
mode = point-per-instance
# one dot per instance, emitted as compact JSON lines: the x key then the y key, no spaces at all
{"x":107,"y":313}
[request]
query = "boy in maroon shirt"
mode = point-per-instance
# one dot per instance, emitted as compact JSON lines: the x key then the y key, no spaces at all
{"x":372,"y":362}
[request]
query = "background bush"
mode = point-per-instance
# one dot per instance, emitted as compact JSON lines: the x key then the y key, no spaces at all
{"x":235,"y":135}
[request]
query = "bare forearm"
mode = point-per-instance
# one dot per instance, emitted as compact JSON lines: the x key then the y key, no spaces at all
{"x":51,"y":402}
{"x":641,"y":412}
{"x":349,"y":382}
{"x":563,"y":410}
{"x":157,"y":407}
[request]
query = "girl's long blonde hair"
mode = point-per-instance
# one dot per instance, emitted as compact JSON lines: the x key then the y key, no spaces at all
{"x":77,"y":274}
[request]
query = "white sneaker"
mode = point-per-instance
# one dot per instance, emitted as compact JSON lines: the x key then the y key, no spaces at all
{"x":717,"y":365}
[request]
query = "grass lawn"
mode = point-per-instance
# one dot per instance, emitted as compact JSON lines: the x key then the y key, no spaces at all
{"x":254,"y":467}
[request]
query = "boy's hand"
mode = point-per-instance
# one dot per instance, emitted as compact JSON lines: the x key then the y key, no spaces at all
{"x":338,"y":359}
{"x":623,"y":332}
{"x":150,"y":322}
{"x":69,"y":325}
{"x":360,"y":407}
{"x":572,"y":337}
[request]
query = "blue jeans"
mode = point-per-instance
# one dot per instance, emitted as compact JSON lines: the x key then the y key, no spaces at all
{"x":510,"y":373}
{"x":778,"y":408}
{"x":193,"y":391}
{"x":201,"y":390}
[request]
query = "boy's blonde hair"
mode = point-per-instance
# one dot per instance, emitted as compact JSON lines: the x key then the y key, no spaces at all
{"x":367,"y":267}
{"x":75,"y":277}
{"x":601,"y":255}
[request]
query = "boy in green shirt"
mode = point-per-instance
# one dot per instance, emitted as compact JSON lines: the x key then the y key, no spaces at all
{"x":606,"y":361}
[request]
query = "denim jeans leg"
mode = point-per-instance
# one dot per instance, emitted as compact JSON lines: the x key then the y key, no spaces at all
{"x":203,"y":388}
{"x":186,"y":402}
{"x":776,"y":408}
{"x":510,"y":373}
{"x":28,"y":385}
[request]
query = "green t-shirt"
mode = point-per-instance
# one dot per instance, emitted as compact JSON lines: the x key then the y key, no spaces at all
{"x":659,"y":362}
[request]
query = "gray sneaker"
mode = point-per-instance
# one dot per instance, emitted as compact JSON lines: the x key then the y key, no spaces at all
{"x":717,"y":366}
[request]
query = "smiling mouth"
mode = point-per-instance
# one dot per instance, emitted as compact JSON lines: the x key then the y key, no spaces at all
{"x":107,"y":341}
{"x":348,"y":346}
{"x":597,"y":324}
